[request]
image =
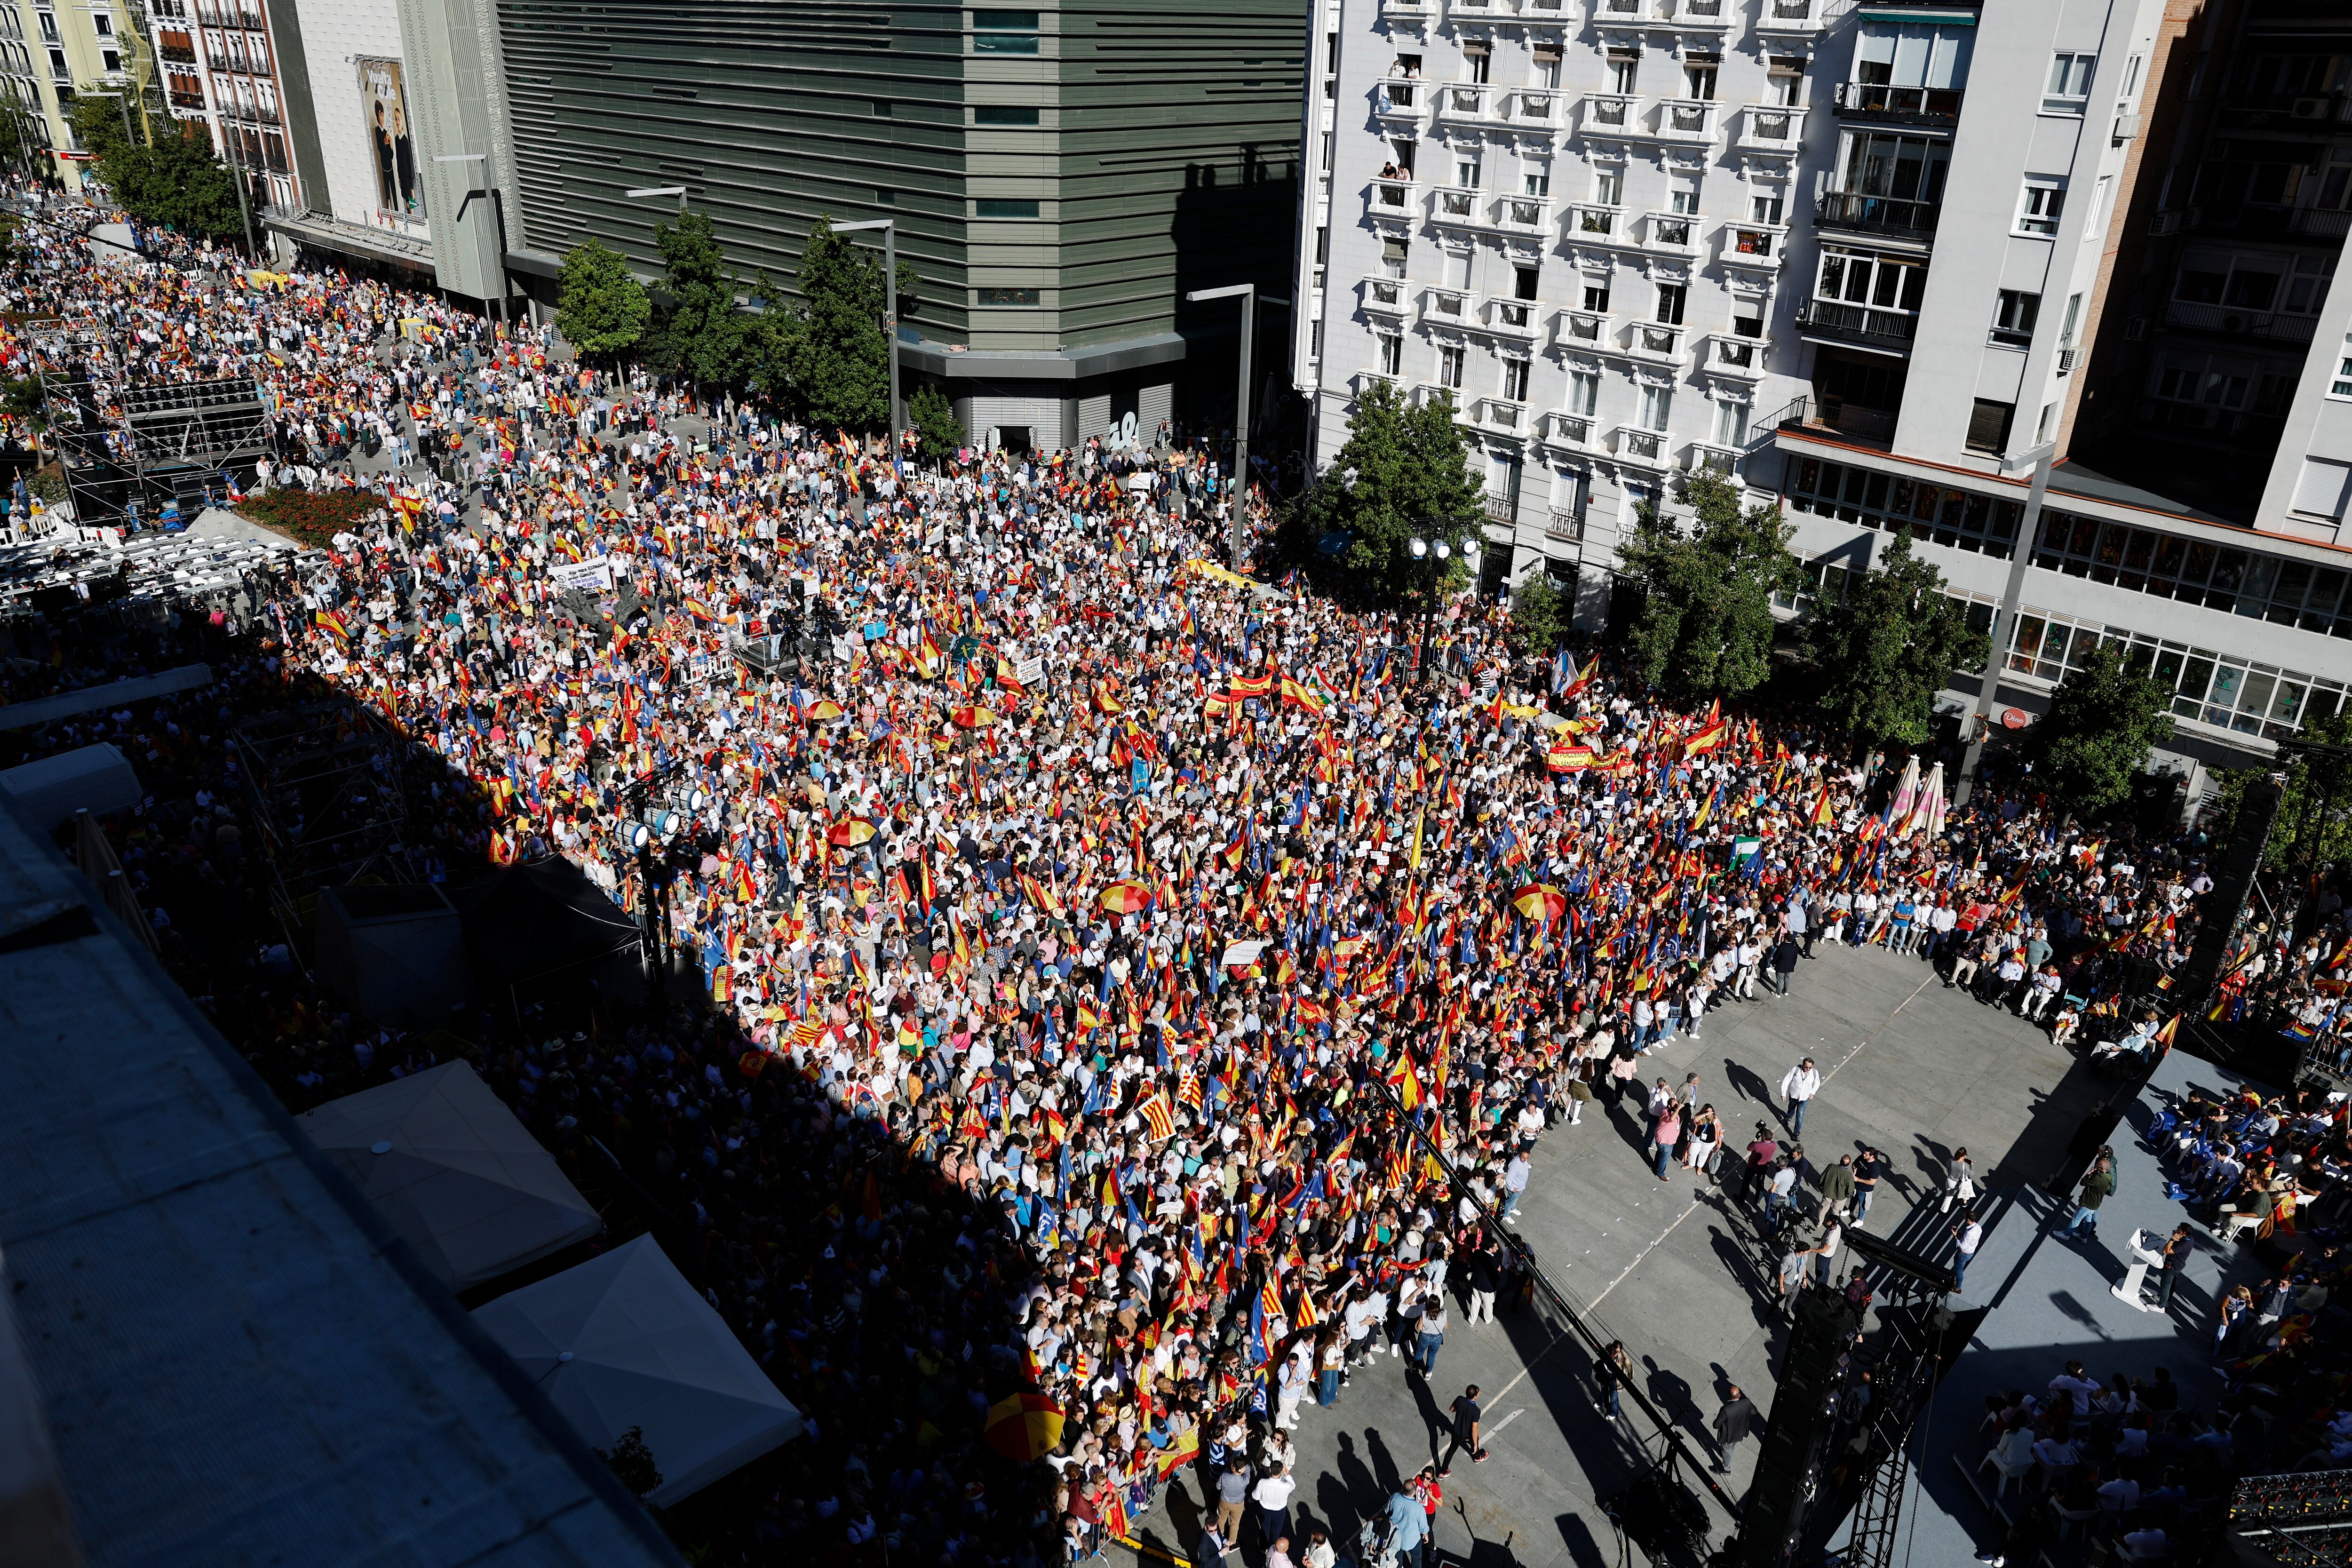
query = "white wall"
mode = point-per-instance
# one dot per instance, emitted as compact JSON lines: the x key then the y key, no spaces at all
{"x":336,"y":34}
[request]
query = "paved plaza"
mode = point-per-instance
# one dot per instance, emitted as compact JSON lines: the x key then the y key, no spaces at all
{"x":1674,"y":1268}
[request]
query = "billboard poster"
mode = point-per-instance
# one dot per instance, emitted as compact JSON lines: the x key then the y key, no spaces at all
{"x":383,"y":99}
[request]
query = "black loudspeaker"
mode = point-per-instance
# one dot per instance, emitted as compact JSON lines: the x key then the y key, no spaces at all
{"x":1661,"y":1516}
{"x":1789,"y":1462}
{"x":2233,"y":882}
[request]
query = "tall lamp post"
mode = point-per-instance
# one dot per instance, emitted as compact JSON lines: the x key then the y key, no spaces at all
{"x":2004,"y":623}
{"x":1435,"y":551}
{"x":497,"y":212}
{"x":890,"y":227}
{"x":1239,"y":490}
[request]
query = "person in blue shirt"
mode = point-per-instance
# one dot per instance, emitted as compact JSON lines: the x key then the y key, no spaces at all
{"x":1409,"y":1526}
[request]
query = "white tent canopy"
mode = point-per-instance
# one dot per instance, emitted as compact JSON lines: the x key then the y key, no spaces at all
{"x":624,"y":1341}
{"x":452,"y":1171}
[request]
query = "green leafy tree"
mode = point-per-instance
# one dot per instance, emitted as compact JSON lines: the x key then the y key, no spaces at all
{"x":938,"y":433}
{"x":177,"y":181}
{"x":1403,"y":471}
{"x":1540,"y":615}
{"x":828,"y":354}
{"x":1705,"y":627}
{"x":1882,"y":653}
{"x":601,"y":308}
{"x":698,"y":332}
{"x":633,"y":1463}
{"x":2313,"y":826}
{"x":2094,"y":741}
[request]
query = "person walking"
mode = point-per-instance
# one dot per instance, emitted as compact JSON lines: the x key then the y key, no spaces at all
{"x":2098,"y":1185}
{"x":1734,"y":1419}
{"x":1614,"y":1370}
{"x":1868,"y":1171}
{"x":1485,"y":1274}
{"x":1466,"y":1414}
{"x":1803,"y":1082}
{"x":1970,"y":1234}
{"x":1784,"y":965}
{"x":1272,"y":1495}
{"x":1431,"y":1336}
{"x":1233,"y":1491}
{"x":1837,"y":1189}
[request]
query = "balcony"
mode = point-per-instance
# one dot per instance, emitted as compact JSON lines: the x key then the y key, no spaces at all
{"x":1503,"y":418}
{"x":1565,"y":528}
{"x":1543,"y":13}
{"x":1405,"y":13}
{"x":1801,"y":17}
{"x":2269,"y":221}
{"x":178,"y":54}
{"x":1361,"y":382}
{"x":1474,"y":10}
{"x":1513,"y":319}
{"x":1686,"y":121}
{"x":2235,"y":321}
{"x":1702,"y":457}
{"x":1610,"y":114}
{"x":1446,"y":307}
{"x":1598,"y":224}
{"x":1391,"y":199}
{"x":1859,"y":214}
{"x":1523,"y":215}
{"x":1385,"y":296}
{"x":1457,"y":205}
{"x":1673,"y":234}
{"x":1399,"y":102}
{"x":1643,"y":449}
{"x":1572,"y":431}
{"x":1858,"y":326}
{"x":187,"y":100}
{"x":1771,"y":127}
{"x":1528,"y":108}
{"x":1457,"y":103}
{"x":1734,"y":357}
{"x":1834,"y":417}
{"x":1654,"y":342}
{"x":1579,"y":330}
{"x":1929,"y":107}
{"x":1758,"y":247}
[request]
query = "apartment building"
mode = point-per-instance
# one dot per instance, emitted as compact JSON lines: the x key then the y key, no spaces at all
{"x":1637,"y":237}
{"x":219,"y":66}
{"x":54,"y":50}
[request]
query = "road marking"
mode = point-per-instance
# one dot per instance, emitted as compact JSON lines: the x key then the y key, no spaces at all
{"x":1882,"y":1028}
{"x":1696,"y":1204}
{"x":1491,"y":1433}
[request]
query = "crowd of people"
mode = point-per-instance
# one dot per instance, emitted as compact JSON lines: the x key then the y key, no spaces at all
{"x":1113,"y":979}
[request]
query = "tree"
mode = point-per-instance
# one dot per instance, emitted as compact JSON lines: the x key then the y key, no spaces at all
{"x":177,"y":183}
{"x":1882,"y":653}
{"x":1540,"y":615}
{"x":1707,"y":627}
{"x":939,"y":434}
{"x":2313,"y":826}
{"x":601,"y":308}
{"x":2094,"y":741}
{"x":828,"y":354}
{"x":698,"y":333}
{"x":1403,"y":471}
{"x":633,"y":1463}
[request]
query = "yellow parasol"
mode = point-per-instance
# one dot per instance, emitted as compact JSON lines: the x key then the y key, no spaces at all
{"x":1540,"y":901}
{"x":1025,"y":1426}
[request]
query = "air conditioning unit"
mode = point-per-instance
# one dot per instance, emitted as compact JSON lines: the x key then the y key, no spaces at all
{"x":2310,"y":109}
{"x":2233,"y":323}
{"x":2164,"y":223}
{"x":2127,"y":126}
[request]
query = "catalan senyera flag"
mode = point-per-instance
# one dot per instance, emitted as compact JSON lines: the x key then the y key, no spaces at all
{"x":1157,"y":1116}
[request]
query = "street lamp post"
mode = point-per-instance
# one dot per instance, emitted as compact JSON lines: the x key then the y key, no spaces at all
{"x":2020,"y":552}
{"x":889,"y":228}
{"x":641,"y":835}
{"x":1239,"y":490}
{"x":497,"y":212}
{"x":1436,"y":551}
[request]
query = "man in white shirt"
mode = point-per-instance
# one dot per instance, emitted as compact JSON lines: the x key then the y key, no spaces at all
{"x":1803,"y":1082}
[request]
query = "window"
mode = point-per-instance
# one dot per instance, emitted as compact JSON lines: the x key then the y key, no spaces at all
{"x":2038,"y":209}
{"x":1989,"y":426}
{"x":2308,"y":287}
{"x":2341,"y":386}
{"x":1624,"y":71}
{"x":881,"y":109}
{"x":2195,"y":384}
{"x":2070,"y":83}
{"x":1596,"y":301}
{"x":1657,"y":405}
{"x":1731,"y":424}
{"x":2251,"y":290}
{"x":1670,"y":303}
{"x":1535,"y":182}
{"x":1005,"y":296}
{"x":2131,"y":79}
{"x":49,"y":26}
{"x":1393,"y":256}
{"x":1465,"y":172}
{"x":102,"y":24}
{"x":999,"y":206}
{"x":1004,"y":115}
{"x":1515,"y":380}
{"x":1478,"y":63}
{"x":1583,"y":392}
{"x":1609,"y":188}
{"x":1785,"y":85}
{"x":109,"y":61}
{"x":1764,"y":207}
{"x":1449,"y":367}
{"x":2073,"y":319}
{"x":1683,"y":198}
{"x":1005,"y":32}
{"x":1523,"y":282}
{"x":2013,"y":316}
{"x":885,"y":198}
{"x":1392,"y":353}
{"x":1860,"y":278}
{"x":1698,"y":80}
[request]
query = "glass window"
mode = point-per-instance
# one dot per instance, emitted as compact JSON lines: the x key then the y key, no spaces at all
{"x":997,"y":207}
{"x":1004,"y":115}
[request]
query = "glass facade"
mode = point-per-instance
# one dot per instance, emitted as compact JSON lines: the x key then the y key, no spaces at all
{"x":1888,"y":501}
{"x":2211,"y":687}
{"x":2245,"y":581}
